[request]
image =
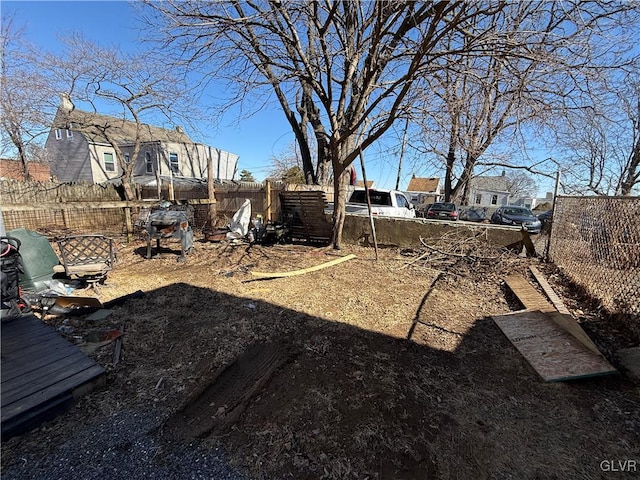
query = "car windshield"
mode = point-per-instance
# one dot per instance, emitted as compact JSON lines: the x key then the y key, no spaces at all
{"x":522,"y":211}
{"x":377,"y":197}
{"x":443,"y":206}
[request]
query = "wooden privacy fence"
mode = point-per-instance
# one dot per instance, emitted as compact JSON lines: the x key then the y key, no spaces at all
{"x":87,"y":208}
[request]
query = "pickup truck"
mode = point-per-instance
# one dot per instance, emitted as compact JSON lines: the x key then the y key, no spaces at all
{"x":384,"y":203}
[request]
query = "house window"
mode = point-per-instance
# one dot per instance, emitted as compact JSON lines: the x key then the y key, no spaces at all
{"x":69,"y":134}
{"x":173,"y":162}
{"x":478,"y":199}
{"x":494,"y":199}
{"x":127,"y":158}
{"x":109,"y":164}
{"x":58,"y":134}
{"x":148,"y":163}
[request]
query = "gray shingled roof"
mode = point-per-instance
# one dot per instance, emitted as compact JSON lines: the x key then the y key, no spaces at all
{"x":92,"y":125}
{"x":493,"y":184}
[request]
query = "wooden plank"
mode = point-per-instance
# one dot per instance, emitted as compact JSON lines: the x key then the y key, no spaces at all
{"x":9,"y":345}
{"x":304,"y":270}
{"x":48,"y":375}
{"x":40,"y":373}
{"x":53,"y":346}
{"x":555,"y":354}
{"x":527,"y":294}
{"x":20,"y":424}
{"x":16,"y":328}
{"x":42,"y":396}
{"x":551,"y":295}
{"x":12,"y":368}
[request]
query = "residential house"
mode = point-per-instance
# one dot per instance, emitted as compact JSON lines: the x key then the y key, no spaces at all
{"x":360,"y":183}
{"x":80,"y":148}
{"x":423,"y":190}
{"x":488,"y":191}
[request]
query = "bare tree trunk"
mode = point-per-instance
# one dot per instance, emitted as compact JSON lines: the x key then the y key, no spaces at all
{"x":340,"y":188}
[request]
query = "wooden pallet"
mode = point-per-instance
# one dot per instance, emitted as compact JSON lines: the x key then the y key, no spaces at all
{"x":303,"y":213}
{"x":42,"y":374}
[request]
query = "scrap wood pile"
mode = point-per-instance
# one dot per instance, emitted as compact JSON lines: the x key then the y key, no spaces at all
{"x":458,"y":254}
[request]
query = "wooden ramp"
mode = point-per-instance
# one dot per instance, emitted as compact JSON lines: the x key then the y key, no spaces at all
{"x":553,"y":352}
{"x":303,"y":213}
{"x":42,"y":374}
{"x":551,"y":341}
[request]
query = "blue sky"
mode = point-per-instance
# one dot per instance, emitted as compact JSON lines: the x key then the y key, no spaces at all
{"x":255,"y":140}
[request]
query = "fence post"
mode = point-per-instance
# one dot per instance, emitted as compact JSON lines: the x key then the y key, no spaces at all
{"x":211,"y":192}
{"x":267,"y":204}
{"x":128,"y":223}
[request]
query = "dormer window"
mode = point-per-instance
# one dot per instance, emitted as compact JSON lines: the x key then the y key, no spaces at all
{"x":58,"y":134}
{"x":69,"y":134}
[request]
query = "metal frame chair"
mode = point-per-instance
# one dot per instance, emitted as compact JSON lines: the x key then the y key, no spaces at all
{"x":86,"y":257}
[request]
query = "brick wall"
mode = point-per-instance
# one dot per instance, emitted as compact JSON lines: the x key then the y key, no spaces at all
{"x":12,"y":169}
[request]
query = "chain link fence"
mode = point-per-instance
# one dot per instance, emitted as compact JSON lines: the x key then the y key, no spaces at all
{"x":596,"y":242}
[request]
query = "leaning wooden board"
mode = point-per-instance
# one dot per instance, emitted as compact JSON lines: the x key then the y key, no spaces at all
{"x":554,"y":353}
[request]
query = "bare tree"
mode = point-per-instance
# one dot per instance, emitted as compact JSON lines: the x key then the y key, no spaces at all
{"x":521,"y":185}
{"x":127,"y":85}
{"x":25,"y":98}
{"x":601,"y":142}
{"x":345,"y":69}
{"x":286,"y":159}
{"x":542,"y":56}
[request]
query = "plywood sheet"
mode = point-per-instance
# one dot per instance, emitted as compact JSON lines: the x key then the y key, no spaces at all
{"x":552,"y":351}
{"x":527,"y":294}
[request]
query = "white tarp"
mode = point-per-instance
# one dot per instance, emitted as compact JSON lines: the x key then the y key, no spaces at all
{"x":239,"y":225}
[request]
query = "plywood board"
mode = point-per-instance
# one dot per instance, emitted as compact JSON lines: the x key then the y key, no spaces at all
{"x":553,"y":297}
{"x":555,"y":354}
{"x":527,"y":294}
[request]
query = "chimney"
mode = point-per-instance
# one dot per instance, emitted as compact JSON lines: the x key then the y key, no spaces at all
{"x":179,"y":129}
{"x":504,"y":173}
{"x":66,"y":104}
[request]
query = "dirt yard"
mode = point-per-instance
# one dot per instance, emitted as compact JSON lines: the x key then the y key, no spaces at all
{"x":361,"y":370}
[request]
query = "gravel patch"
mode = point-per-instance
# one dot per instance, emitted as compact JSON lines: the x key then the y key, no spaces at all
{"x":126,"y":446}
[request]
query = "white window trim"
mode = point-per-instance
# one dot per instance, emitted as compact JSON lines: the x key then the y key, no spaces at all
{"x":113,"y":162}
{"x":58,"y":134}
{"x":176,"y":164}
{"x":69,"y":134}
{"x":148,"y":162}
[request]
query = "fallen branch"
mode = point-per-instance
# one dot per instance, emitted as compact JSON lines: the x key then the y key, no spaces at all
{"x":304,"y":270}
{"x":460,"y":255}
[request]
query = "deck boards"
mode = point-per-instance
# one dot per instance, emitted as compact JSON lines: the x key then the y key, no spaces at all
{"x":41,"y":371}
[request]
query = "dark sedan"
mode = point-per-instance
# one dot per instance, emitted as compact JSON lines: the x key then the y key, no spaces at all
{"x":522,"y":216}
{"x":443,"y":211}
{"x":546,"y":218}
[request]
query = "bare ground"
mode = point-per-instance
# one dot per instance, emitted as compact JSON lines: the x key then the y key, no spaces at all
{"x":366,"y":369}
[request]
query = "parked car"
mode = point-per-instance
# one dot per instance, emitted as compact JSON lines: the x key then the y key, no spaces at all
{"x":513,"y":215}
{"x":422,"y":209}
{"x":545,"y":219}
{"x":473,"y":214}
{"x":443,"y":211}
